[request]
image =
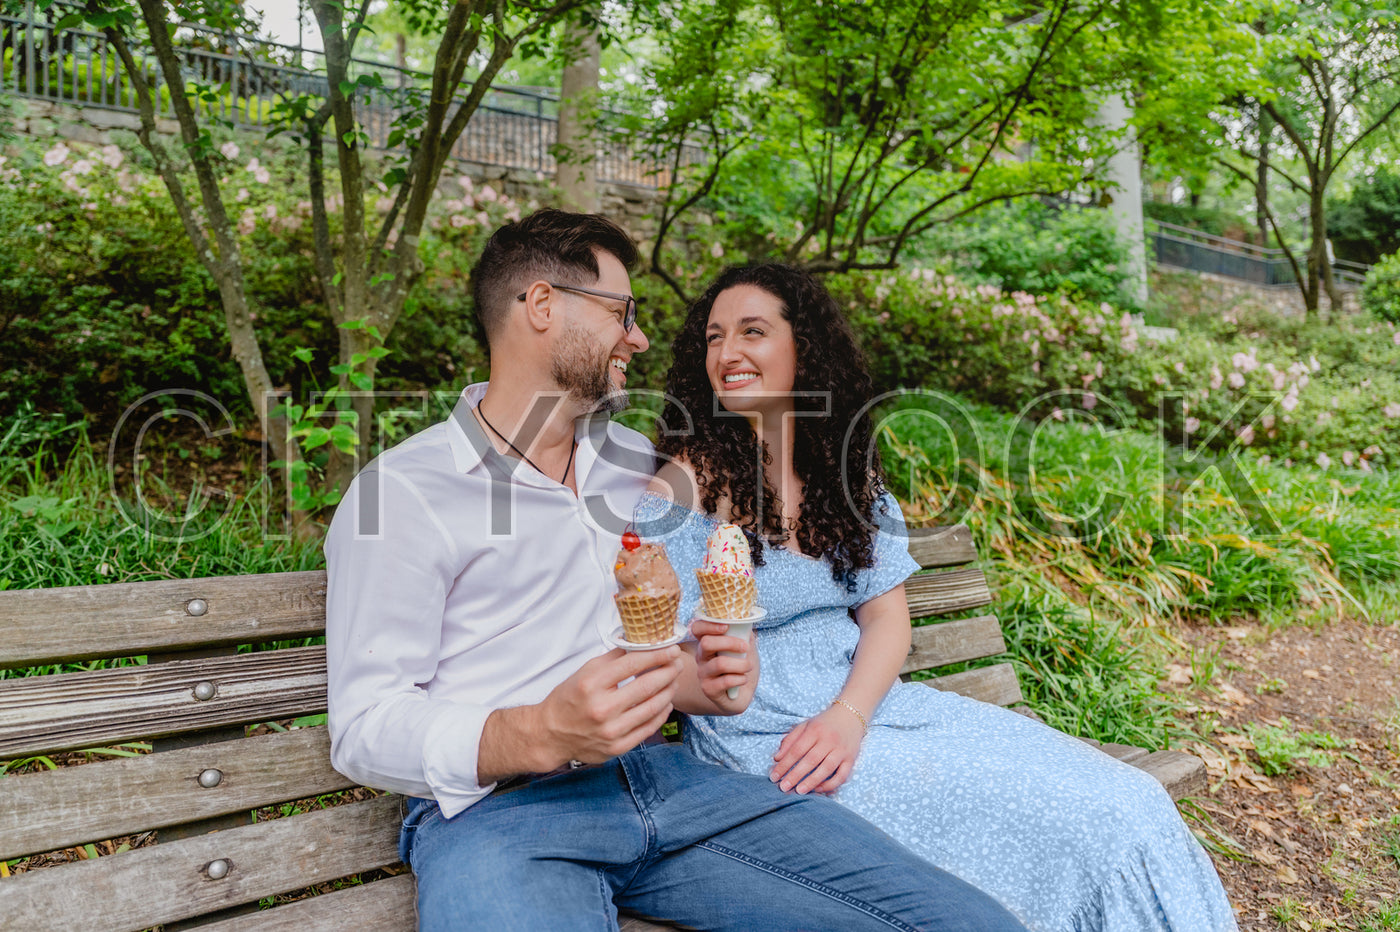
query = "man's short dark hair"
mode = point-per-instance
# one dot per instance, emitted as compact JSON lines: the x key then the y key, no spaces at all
{"x":549,"y":245}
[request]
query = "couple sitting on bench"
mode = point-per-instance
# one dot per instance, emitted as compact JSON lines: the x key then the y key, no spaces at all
{"x":470,"y":607}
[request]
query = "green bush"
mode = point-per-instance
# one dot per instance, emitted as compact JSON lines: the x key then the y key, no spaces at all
{"x":935,"y":331}
{"x":102,"y":299}
{"x":1135,"y":549}
{"x":1213,"y":385}
{"x":1381,"y":293}
{"x":1365,"y":224}
{"x":1216,"y":221}
{"x":1038,"y":248}
{"x":1335,"y":386}
{"x":98,"y":303}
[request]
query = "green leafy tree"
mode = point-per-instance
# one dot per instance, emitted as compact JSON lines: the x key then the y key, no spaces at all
{"x":1365,"y":224}
{"x":366,"y":261}
{"x":1328,"y":83}
{"x":836,"y":134}
{"x":1381,"y":293}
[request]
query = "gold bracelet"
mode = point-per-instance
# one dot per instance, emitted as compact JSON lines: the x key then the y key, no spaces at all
{"x":864,"y":725}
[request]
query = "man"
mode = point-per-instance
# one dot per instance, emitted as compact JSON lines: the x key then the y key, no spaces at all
{"x":468,"y":616}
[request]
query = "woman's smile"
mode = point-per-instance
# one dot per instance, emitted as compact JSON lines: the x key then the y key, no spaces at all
{"x":750,"y":353}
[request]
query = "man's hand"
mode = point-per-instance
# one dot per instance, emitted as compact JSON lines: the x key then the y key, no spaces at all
{"x":817,"y":756}
{"x":590,"y":718}
{"x":718,"y":673}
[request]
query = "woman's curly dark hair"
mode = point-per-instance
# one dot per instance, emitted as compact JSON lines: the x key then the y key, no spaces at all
{"x":833,"y":453}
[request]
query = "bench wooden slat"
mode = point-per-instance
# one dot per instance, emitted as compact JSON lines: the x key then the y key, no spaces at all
{"x":1181,"y":774}
{"x":1126,"y":753}
{"x":386,"y":905}
{"x":996,"y":684}
{"x":954,"y":642}
{"x":42,"y":626}
{"x":54,"y":809}
{"x":949,"y":591}
{"x":167,"y":882}
{"x":39,"y":714}
{"x":942,"y":546}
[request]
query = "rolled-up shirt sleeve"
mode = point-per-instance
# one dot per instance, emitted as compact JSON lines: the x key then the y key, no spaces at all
{"x":385,"y":602}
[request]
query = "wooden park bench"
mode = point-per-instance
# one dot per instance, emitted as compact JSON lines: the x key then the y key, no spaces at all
{"x":212,"y":863}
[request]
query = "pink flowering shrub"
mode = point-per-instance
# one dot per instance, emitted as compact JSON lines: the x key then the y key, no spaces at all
{"x":925,"y":328}
{"x":1281,"y":387}
{"x":1291,"y":390}
{"x":102,"y":299}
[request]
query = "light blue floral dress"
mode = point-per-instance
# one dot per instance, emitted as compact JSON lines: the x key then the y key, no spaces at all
{"x":1063,"y":835}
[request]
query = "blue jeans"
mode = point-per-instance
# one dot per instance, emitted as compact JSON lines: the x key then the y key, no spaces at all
{"x":660,"y":833}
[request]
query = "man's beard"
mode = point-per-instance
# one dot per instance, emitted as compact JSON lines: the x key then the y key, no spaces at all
{"x":586,"y":374}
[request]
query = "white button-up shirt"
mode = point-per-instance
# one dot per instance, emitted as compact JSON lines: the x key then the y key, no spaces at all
{"x":463,"y":581}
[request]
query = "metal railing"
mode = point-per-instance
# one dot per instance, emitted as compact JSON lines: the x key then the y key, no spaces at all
{"x":1185,"y":248}
{"x":248,"y":76}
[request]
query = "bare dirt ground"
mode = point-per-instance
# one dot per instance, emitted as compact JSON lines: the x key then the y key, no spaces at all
{"x":1303,"y":813}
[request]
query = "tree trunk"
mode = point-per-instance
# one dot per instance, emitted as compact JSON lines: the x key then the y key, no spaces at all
{"x":1261,"y":184}
{"x":1319,"y":266}
{"x":1124,"y":172}
{"x":362,"y":280}
{"x":220,"y":257}
{"x":1329,"y":281}
{"x":1312,"y":292}
{"x":1329,"y":284}
{"x":576,"y":170}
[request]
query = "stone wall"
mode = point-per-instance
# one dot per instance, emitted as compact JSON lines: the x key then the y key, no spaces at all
{"x":1199,"y":291}
{"x":630,"y":205}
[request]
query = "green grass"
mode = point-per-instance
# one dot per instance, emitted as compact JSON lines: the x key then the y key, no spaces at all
{"x":1214,"y":838}
{"x":1286,"y":910}
{"x":1384,"y":919}
{"x":1079,"y":673}
{"x":1282,"y":749}
{"x":1087,"y":563}
{"x":1096,"y":540}
{"x":1105,"y":512}
{"x":61,"y":524}
{"x":1390,"y":841}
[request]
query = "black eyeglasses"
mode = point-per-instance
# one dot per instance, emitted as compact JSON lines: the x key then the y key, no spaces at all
{"x":629,"y":314}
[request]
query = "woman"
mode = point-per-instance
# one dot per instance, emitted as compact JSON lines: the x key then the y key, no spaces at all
{"x":765,"y":427}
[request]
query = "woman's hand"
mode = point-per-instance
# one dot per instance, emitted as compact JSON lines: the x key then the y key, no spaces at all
{"x":717,"y":663}
{"x":817,"y":756}
{"x":722,"y":663}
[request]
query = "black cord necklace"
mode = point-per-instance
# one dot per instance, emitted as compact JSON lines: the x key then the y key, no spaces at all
{"x":521,"y":453}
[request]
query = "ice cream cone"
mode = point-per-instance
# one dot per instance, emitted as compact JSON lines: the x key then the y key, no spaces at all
{"x":727,"y":595}
{"x":647,"y":619}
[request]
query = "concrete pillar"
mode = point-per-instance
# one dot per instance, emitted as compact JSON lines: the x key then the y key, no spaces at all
{"x":1125,"y":200}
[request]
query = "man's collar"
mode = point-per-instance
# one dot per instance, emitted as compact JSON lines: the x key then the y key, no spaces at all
{"x":470,"y":443}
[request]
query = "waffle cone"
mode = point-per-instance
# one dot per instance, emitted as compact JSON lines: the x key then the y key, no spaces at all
{"x":727,"y":595}
{"x":647,"y":619}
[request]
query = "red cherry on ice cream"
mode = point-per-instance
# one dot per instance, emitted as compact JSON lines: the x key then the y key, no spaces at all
{"x":630,"y":541}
